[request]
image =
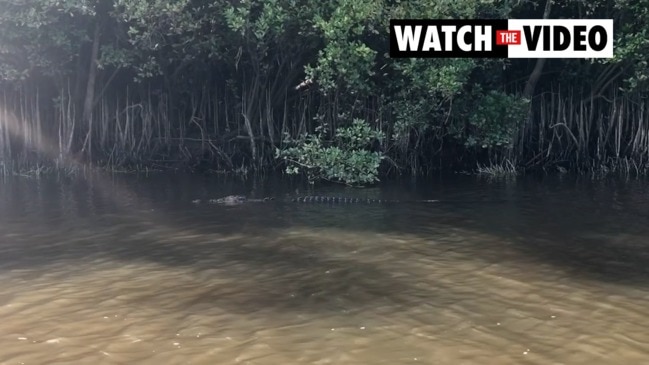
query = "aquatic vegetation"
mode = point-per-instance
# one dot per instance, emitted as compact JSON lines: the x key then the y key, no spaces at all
{"x":503,"y":169}
{"x":249,"y":86}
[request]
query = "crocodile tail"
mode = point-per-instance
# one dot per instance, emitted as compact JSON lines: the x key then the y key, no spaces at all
{"x":338,"y":200}
{"x":325,"y":199}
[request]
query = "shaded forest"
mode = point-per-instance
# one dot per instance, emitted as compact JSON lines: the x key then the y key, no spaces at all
{"x":307,"y":87}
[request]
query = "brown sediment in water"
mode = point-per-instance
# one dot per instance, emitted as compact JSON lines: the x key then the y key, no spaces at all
{"x":313,"y":286}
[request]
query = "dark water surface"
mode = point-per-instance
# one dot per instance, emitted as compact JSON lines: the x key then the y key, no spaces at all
{"x":126,"y":270}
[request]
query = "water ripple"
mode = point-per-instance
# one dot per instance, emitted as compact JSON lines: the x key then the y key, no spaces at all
{"x":508,"y":274}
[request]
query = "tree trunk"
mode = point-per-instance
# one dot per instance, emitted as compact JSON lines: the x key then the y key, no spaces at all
{"x":538,"y":68}
{"x":90,"y":88}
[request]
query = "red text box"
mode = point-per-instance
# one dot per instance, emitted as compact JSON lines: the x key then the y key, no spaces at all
{"x":508,"y":37}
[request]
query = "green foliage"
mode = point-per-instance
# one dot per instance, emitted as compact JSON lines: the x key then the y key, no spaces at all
{"x":632,"y":42}
{"x":423,"y":90}
{"x":41,"y":36}
{"x":219,"y":59}
{"x":158,"y":34}
{"x":423,"y":86}
{"x":346,"y":62}
{"x":490,"y":120}
{"x":268,"y":23}
{"x":347,"y":159}
{"x":165,"y":36}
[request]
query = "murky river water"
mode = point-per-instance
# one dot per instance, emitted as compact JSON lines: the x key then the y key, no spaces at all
{"x":126,"y":270}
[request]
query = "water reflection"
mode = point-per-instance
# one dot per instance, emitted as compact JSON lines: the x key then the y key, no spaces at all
{"x":127,"y":270}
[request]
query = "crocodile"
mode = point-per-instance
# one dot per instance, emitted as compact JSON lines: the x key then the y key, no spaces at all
{"x":241,"y":199}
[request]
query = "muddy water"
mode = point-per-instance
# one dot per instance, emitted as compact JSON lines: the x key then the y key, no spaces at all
{"x":126,"y":270}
